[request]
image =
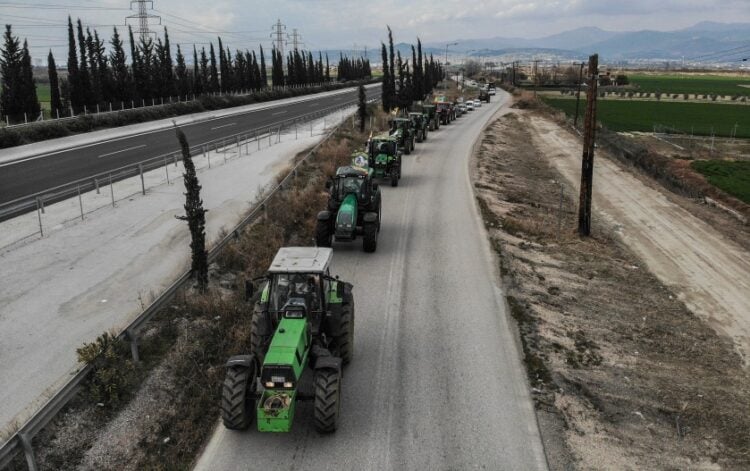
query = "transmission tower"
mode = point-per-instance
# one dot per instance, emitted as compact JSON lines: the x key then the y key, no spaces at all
{"x":143,"y":17}
{"x":279,"y":36}
{"x":296,"y":40}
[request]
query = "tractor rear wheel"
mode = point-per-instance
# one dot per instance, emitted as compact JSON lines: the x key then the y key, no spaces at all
{"x":238,"y":397}
{"x":407,"y":148}
{"x":327,"y":400}
{"x":394,"y":177}
{"x":345,"y":339}
{"x":370,"y":236}
{"x":323,"y":234}
{"x":258,"y":339}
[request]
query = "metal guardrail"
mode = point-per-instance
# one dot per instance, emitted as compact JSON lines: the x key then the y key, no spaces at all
{"x":22,"y":439}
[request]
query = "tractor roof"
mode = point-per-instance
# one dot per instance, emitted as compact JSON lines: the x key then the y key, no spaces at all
{"x":384,"y":137}
{"x":352,"y":171}
{"x":301,"y":260}
{"x":415,"y":113}
{"x":400,"y":120}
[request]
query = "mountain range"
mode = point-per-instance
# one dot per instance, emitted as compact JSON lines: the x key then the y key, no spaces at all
{"x":714,"y":42}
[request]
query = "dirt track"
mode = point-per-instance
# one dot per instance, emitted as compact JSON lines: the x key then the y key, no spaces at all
{"x":710,"y":273}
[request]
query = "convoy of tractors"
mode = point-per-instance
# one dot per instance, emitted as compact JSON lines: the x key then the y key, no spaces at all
{"x":302,"y":326}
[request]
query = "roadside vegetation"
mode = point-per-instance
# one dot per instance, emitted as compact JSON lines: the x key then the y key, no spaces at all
{"x":158,"y":413}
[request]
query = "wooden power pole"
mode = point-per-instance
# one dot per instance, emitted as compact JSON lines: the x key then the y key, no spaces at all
{"x":578,"y":96}
{"x":589,"y":135}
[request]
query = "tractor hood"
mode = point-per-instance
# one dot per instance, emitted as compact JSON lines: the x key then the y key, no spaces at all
{"x":346,"y":219}
{"x":381,"y":159}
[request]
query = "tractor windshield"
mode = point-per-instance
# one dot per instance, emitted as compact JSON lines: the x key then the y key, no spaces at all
{"x":384,"y":147}
{"x":294,"y":285}
{"x":347,"y":185}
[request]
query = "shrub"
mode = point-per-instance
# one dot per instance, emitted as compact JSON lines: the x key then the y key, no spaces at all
{"x":114,"y":374}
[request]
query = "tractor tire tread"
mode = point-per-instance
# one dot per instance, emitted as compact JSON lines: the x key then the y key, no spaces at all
{"x":327,"y":400}
{"x":235,"y":412}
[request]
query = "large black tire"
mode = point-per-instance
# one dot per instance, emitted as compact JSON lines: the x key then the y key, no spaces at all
{"x":345,"y":339}
{"x":238,"y":397}
{"x":258,"y":338}
{"x":407,"y":148}
{"x":394,"y":177}
{"x":370,"y":237}
{"x":323,"y":234}
{"x":327,"y":400}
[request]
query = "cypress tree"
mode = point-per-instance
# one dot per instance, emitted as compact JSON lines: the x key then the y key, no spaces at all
{"x":11,"y":56}
{"x":181,"y":75}
{"x":167,"y":67}
{"x":54,"y":86}
{"x":122,"y":85}
{"x":102,"y":64}
{"x":386,"y":84}
{"x":213,"y":85}
{"x":28,"y":85}
{"x":197,"y":82}
{"x":263,"y":73}
{"x":205,"y":78}
{"x":95,"y":92}
{"x":222,"y":68}
{"x":328,"y":69}
{"x":391,"y":71}
{"x":137,"y":67}
{"x":362,"y":108}
{"x":195,"y":216}
{"x":74,"y":88}
{"x":84,"y":80}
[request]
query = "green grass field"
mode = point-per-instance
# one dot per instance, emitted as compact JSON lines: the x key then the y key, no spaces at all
{"x":698,"y":118}
{"x":732,"y":177}
{"x":42,"y":92}
{"x":693,"y":84}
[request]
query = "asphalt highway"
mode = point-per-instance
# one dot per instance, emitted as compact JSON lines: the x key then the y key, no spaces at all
{"x":437,"y":381}
{"x":41,"y":172}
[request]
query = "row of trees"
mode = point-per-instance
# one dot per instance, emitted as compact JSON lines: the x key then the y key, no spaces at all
{"x":405,"y":83}
{"x":18,"y":90}
{"x":98,"y":75}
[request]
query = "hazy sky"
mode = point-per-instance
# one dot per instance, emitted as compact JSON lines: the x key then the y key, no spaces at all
{"x":339,"y":24}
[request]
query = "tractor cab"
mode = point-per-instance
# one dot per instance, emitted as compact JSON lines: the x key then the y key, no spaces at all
{"x":384,"y":157}
{"x":419,"y":123}
{"x":430,"y":112}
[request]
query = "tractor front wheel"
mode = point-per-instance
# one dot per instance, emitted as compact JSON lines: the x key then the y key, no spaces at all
{"x":258,"y":334}
{"x":238,"y":397}
{"x":370,"y":236}
{"x":323,"y":234}
{"x":345,"y":339}
{"x":327,"y":400}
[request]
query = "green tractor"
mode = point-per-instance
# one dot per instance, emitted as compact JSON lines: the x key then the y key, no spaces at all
{"x":384,"y":158}
{"x":419,"y":121}
{"x":403,"y":131}
{"x":430,"y":112}
{"x":301,"y":335}
{"x":353,"y":207}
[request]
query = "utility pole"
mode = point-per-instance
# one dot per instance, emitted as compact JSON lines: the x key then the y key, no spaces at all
{"x":578,"y":96}
{"x":143,"y":17}
{"x":589,"y":137}
{"x":536,"y":76}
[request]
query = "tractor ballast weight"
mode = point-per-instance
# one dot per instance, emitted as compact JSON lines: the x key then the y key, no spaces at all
{"x":419,"y":122}
{"x":301,"y":335}
{"x":433,"y":120}
{"x":403,"y":131}
{"x":353,"y":207}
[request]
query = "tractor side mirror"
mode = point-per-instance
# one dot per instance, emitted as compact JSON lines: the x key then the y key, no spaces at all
{"x":249,"y":290}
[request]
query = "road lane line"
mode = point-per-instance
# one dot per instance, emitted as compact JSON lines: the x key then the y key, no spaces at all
{"x":223,"y":126}
{"x":123,"y":150}
{"x":278,"y":113}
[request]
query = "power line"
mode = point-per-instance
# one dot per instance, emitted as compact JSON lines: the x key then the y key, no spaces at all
{"x":56,"y":6}
{"x":143,"y":17}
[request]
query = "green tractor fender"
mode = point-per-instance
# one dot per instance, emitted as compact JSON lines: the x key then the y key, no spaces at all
{"x":245,"y":361}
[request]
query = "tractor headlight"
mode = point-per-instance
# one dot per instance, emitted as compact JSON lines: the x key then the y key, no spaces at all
{"x":288,"y":385}
{"x":269,"y":384}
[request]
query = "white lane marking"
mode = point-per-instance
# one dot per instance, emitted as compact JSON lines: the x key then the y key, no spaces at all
{"x":223,"y":126}
{"x":314,"y":104}
{"x":278,"y":113}
{"x":123,"y":150}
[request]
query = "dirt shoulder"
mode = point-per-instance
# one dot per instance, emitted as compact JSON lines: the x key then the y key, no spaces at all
{"x":624,"y":374}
